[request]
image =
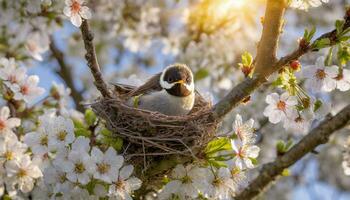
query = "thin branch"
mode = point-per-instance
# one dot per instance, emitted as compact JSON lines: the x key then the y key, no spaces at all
{"x":91,"y":59}
{"x":319,"y":135}
{"x":66,"y":74}
{"x":244,"y":89}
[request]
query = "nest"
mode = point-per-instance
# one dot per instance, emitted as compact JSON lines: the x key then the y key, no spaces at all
{"x":152,"y":134}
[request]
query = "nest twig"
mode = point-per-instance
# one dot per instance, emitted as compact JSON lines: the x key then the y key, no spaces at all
{"x":153,"y":134}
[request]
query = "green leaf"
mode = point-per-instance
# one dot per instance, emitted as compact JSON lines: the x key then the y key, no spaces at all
{"x":216,"y":145}
{"x":115,"y":142}
{"x":308,"y":35}
{"x":280,"y":146}
{"x":329,"y":58}
{"x":322,"y":43}
{"x":106,"y":132}
{"x":339,"y":24}
{"x":254,"y":161}
{"x":289,"y":145}
{"x":343,"y":55}
{"x":78,"y":124}
{"x":201,"y":74}
{"x":317,"y":105}
{"x":6,"y":197}
{"x":82,"y":132}
{"x":285,"y":172}
{"x":90,"y":117}
{"x":247,"y":59}
{"x":278,"y":82}
{"x":217,"y":164}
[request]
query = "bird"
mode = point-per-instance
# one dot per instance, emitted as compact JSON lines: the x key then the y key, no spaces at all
{"x":170,"y":92}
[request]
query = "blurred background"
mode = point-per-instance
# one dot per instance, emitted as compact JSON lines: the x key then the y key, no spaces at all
{"x":137,"y":38}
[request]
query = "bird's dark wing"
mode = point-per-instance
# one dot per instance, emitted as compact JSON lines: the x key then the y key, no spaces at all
{"x":122,"y":89}
{"x":152,"y":84}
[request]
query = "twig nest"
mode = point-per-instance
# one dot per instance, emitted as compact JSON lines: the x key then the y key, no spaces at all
{"x":153,"y":134}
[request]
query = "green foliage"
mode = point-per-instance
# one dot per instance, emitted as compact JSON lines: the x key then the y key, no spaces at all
{"x":201,"y":74}
{"x":90,"y":117}
{"x":111,"y":140}
{"x":247,"y":59}
{"x":282,"y":147}
{"x":217,"y":145}
{"x":329,"y":59}
{"x":285,"y":172}
{"x":212,"y":152}
{"x":308,"y":35}
{"x":343,"y":55}
{"x":322,"y":43}
{"x":254,"y":161}
{"x":317,"y":105}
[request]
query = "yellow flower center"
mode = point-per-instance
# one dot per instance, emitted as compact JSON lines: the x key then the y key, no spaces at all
{"x":44,"y":140}
{"x":61,"y":136}
{"x":103,"y":168}
{"x":8,"y":155}
{"x":79,"y":168}
{"x":21,"y":173}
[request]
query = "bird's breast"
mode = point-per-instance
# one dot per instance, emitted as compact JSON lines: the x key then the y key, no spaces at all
{"x":165,"y":103}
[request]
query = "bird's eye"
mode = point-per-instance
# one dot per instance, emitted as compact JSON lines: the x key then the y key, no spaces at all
{"x":170,"y":80}
{"x":188,"y":79}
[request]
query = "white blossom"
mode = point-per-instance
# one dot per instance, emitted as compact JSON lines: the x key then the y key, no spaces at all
{"x":80,"y":167}
{"x":321,"y":77}
{"x":23,"y":172}
{"x":244,"y":154}
{"x":61,"y":132}
{"x":107,"y":164}
{"x":7,"y":124}
{"x":300,"y":124}
{"x":38,"y":140}
{"x":11,"y":149}
{"x":27,"y":89}
{"x":306,"y":4}
{"x":123,"y":187}
{"x":223,"y":186}
{"x":186,"y":183}
{"x":281,"y":107}
{"x":75,"y":10}
{"x":343,"y":80}
{"x":11,"y":73}
{"x":37,"y":44}
{"x":244,"y":131}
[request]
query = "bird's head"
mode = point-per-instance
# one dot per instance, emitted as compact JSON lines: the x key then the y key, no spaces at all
{"x":177,"y":80}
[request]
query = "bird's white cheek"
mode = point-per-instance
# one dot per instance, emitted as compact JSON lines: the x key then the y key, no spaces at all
{"x":166,"y":85}
{"x":190,"y":87}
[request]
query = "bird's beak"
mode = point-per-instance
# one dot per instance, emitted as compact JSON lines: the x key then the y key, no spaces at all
{"x":180,"y":81}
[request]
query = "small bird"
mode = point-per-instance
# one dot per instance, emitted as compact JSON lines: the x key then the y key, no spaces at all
{"x":170,"y":92}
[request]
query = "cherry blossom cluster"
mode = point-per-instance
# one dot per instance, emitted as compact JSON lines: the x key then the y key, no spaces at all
{"x":295,"y":108}
{"x":51,"y":155}
{"x":306,"y":4}
{"x":59,"y":165}
{"x":71,"y":166}
{"x":18,"y":170}
{"x":18,"y":84}
{"x":217,"y":179}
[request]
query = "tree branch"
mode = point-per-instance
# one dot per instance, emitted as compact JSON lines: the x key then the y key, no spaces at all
{"x":319,"y":135}
{"x":92,"y":62}
{"x":244,"y":89}
{"x":66,"y":75}
{"x":267,"y":48}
